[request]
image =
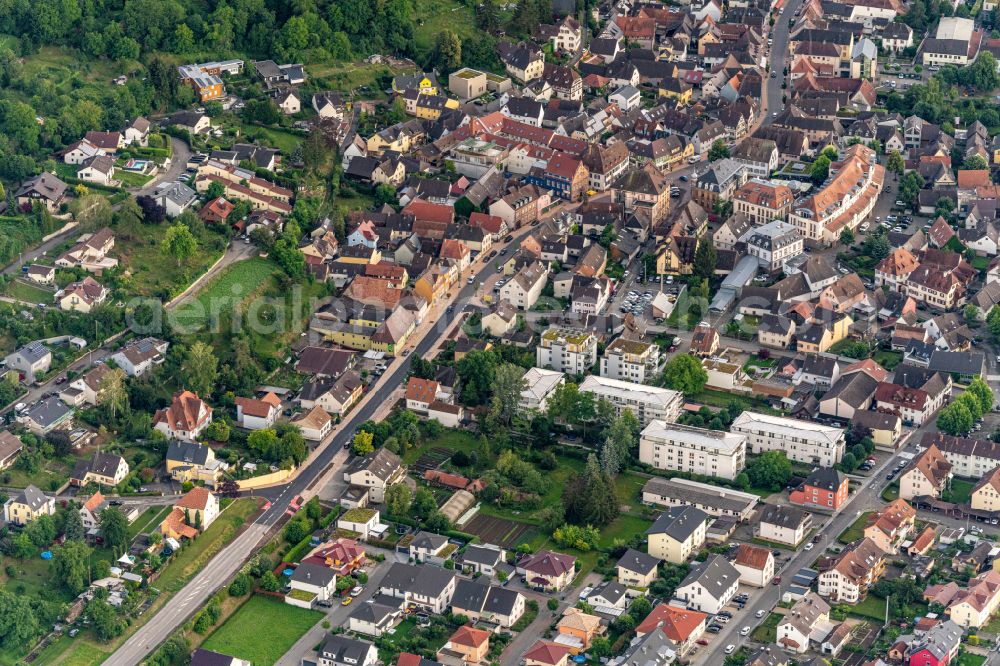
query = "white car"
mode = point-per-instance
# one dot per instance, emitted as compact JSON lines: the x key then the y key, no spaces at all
{"x":809,"y":546}
{"x":745,"y":631}
{"x":730,"y":649}
{"x":761,"y":613}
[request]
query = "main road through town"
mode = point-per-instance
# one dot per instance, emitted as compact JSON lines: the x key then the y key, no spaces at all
{"x":331,"y":455}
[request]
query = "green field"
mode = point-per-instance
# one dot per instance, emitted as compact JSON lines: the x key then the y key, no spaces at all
{"x":242,"y":636}
{"x":969,"y":659}
{"x":155,"y":274}
{"x":224,"y":292}
{"x":149,"y":520}
{"x":29,"y":293}
{"x":433,"y":16}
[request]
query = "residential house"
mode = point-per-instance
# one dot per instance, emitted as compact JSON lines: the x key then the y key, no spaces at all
{"x":677,"y":534}
{"x":825,"y":489}
{"x":253,"y":414}
{"x":185,"y":419}
{"x":681,"y":627}
{"x":891,"y":526}
{"x":187,"y":461}
{"x":482,"y":602}
{"x":10,"y":447}
{"x":853,"y":572}
{"x":428,"y":587}
{"x":138,"y":356}
{"x":27,"y":505}
{"x":31,"y":361}
{"x":808,"y":617}
{"x":309,"y":584}
{"x":755,"y":564}
{"x":82,"y":296}
{"x":784,"y":524}
{"x":986,"y":493}
{"x":547,"y":570}
{"x":710,"y":585}
{"x":577,"y":629}
{"x":376,"y":472}
{"x":44,"y":188}
{"x":46,"y":415}
{"x":927,"y":475}
{"x":467,"y":645}
{"x":105,"y":469}
{"x":339,"y":650}
{"x":637,"y":569}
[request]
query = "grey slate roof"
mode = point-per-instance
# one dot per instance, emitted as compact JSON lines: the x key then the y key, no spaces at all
{"x":715,"y":575}
{"x":313,"y":574}
{"x":427,"y":581}
{"x":344,"y":650}
{"x":639,"y":562}
{"x":679,"y":522}
{"x":32,"y":497}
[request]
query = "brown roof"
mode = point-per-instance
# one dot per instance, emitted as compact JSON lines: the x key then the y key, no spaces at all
{"x":470,"y":636}
{"x":858,"y":560}
{"x":754,"y":557}
{"x":991,"y":479}
{"x":421,"y":390}
{"x":175,"y":522}
{"x":932,"y":464}
{"x":543,"y":652}
{"x":900,"y":262}
{"x":182,"y":414}
{"x":196,"y":498}
{"x":95,"y":500}
{"x":677,"y":624}
{"x":892,"y":517}
{"x":760,"y":193}
{"x":259,"y":408}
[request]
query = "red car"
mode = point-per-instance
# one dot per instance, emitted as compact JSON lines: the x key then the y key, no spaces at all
{"x":777,"y":580}
{"x":702,"y":642}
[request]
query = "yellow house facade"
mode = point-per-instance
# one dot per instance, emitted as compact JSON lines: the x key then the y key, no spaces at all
{"x":818,"y":338}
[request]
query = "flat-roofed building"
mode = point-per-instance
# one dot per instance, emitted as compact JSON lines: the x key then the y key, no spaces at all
{"x":630,"y":360}
{"x":648,"y":403}
{"x":804,"y":441}
{"x":713,"y":500}
{"x":567,"y":350}
{"x":683,"y":448}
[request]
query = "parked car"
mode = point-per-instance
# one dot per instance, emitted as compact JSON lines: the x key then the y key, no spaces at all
{"x":730,"y":649}
{"x":761,"y":613}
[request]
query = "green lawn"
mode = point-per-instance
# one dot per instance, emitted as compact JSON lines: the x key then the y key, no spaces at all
{"x":891,"y":493}
{"x":960,"y":491}
{"x":888,"y":359}
{"x":194,"y":556}
{"x":283,"y":140}
{"x":454,"y":440}
{"x":152,"y":272}
{"x":721,"y":399}
{"x":623,"y":528}
{"x":241,"y":635}
{"x":871,"y":607}
{"x":148,"y":521}
{"x":856,"y":530}
{"x":29,"y":293}
{"x":969,"y":659}
{"x":224,"y":292}
{"x":767,"y":631}
{"x":433,"y":16}
{"x":629,"y":485}
{"x":53,"y":474}
{"x":83,"y":653}
{"x":131,"y":179}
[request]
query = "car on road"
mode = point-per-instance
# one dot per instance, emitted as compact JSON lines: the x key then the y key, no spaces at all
{"x":356,"y":590}
{"x":509,"y":238}
{"x":745,"y":631}
{"x":808,"y":546}
{"x":730,"y":649}
{"x":818,"y":536}
{"x":713,"y":628}
{"x":761,"y":613}
{"x":491,"y":254}
{"x":683,"y":179}
{"x":774,"y":75}
{"x":776,"y":581}
{"x":346,"y":601}
{"x":503,"y":252}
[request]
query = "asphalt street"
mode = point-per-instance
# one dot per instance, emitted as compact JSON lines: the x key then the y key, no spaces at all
{"x":332,"y":454}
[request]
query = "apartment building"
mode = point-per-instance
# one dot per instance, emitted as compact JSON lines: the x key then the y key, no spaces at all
{"x":677,"y":534}
{"x":803,"y":441}
{"x":566,"y":350}
{"x":762,"y":201}
{"x":927,"y":475}
{"x":970,"y":458}
{"x":630,"y":360}
{"x":648,"y":403}
{"x":844,"y":200}
{"x":671,"y":446}
{"x":853,"y":572}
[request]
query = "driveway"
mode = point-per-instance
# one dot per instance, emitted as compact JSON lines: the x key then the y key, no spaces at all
{"x":336,"y":616}
{"x":178,"y":164}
